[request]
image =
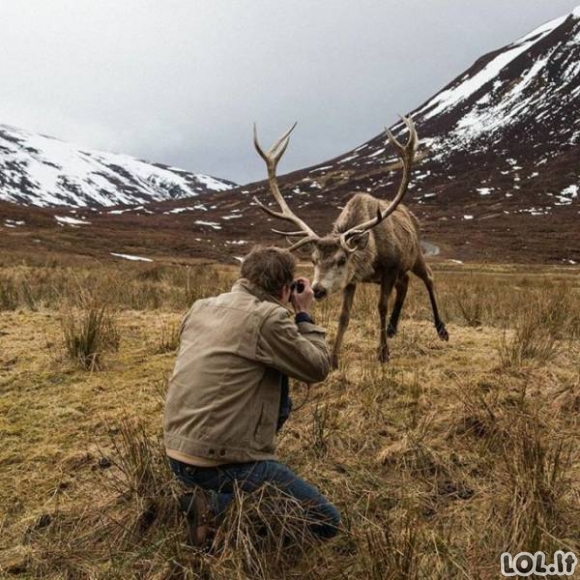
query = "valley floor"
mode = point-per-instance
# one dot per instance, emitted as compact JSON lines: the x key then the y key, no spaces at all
{"x":439,"y":461}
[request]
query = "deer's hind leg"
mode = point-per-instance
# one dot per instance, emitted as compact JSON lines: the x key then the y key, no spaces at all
{"x":423,"y":271}
{"x":401,"y":288}
{"x":387,"y":284}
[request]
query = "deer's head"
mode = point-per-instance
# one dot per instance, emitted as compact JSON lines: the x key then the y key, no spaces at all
{"x":334,"y":267}
{"x":332,"y":255}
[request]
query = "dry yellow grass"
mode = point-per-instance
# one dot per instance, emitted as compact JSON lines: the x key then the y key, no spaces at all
{"x":439,"y":461}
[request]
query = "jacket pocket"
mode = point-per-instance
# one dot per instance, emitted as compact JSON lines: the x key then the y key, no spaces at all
{"x":259,"y":428}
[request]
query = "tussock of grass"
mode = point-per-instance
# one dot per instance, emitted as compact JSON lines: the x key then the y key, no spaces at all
{"x":88,"y":333}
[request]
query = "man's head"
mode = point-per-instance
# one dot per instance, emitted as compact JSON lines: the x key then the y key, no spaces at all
{"x":269,"y":268}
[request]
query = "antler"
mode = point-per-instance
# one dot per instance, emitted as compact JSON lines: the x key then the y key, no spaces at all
{"x":407,"y":154}
{"x":272,"y":157}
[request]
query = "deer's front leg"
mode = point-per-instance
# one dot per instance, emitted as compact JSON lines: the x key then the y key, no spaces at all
{"x":347,"y":298}
{"x":387,"y":284}
{"x":401,"y":292}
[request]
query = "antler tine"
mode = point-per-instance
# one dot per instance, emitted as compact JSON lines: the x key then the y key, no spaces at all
{"x":407,"y":154}
{"x":288,"y":234}
{"x":272,"y":157}
{"x":268,"y":210}
{"x":413,"y":139}
{"x":275,"y":152}
{"x":303,"y":242}
{"x":279,"y":148}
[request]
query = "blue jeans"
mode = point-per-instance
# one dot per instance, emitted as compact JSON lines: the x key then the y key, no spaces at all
{"x":249,"y":477}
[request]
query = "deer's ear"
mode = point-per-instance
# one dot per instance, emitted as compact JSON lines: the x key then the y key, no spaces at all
{"x":360,"y":242}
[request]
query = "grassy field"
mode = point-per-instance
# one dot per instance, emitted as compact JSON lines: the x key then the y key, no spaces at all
{"x":439,"y":461}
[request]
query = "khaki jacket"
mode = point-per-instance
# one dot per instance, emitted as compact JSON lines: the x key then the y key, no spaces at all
{"x":224,"y":394}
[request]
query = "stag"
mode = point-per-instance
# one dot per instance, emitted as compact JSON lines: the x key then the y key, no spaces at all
{"x":372,"y":241}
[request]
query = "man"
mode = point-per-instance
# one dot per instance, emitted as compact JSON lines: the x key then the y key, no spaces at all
{"x":228,"y":395}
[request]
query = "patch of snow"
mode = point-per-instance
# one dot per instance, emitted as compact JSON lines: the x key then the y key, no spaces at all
{"x":130,"y":257}
{"x":484,"y":190}
{"x":467,"y":217}
{"x":70,"y":220}
{"x":213,"y":225}
{"x":535,"y":211}
{"x":189,"y":208}
{"x":570,"y":191}
{"x":378,"y":152}
{"x":212,"y":183}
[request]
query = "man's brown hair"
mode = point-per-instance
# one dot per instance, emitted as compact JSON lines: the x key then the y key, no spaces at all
{"x":269,"y":268}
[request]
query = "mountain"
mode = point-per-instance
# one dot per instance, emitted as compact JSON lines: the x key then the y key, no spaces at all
{"x":502,"y":150}
{"x":507,"y":127}
{"x":501,"y":145}
{"x":497,"y":180}
{"x":43,"y":171}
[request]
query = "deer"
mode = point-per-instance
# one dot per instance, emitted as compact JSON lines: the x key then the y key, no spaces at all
{"x":371,"y":241}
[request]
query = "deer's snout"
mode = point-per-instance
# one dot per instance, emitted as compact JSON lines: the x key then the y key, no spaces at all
{"x":319,"y":292}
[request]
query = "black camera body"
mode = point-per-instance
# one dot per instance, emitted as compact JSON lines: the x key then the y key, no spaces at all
{"x":297,"y":287}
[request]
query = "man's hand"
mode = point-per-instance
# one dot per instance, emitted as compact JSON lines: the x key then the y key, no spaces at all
{"x":302,"y":301}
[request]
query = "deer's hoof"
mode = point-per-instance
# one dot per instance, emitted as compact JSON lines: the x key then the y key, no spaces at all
{"x":442,"y":331}
{"x":334,"y":362}
{"x":391,"y":331}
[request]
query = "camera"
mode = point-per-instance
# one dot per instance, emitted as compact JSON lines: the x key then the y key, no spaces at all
{"x":297,"y":287}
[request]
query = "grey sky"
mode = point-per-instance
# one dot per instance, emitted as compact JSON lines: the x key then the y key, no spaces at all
{"x":181,"y":81}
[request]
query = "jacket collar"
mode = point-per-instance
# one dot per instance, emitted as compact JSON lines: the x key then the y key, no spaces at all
{"x":244,"y":285}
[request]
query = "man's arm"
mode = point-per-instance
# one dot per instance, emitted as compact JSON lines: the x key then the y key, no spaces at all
{"x":297,"y":349}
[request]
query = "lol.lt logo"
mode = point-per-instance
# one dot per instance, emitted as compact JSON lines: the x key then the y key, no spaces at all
{"x":526,"y":564}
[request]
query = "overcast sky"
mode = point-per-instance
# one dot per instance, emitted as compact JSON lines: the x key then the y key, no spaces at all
{"x":181,"y":81}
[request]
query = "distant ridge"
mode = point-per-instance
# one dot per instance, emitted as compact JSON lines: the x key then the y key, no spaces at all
{"x":43,"y":171}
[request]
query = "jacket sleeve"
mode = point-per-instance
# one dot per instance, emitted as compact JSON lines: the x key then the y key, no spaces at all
{"x":297,"y":350}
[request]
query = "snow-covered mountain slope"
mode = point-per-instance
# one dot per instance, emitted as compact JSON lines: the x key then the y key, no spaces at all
{"x":507,"y":127}
{"x":501,"y":157}
{"x":42,"y":171}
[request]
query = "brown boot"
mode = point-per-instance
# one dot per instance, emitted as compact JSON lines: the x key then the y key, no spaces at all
{"x":200,"y":524}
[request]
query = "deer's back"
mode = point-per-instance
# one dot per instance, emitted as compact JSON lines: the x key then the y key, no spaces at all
{"x":394,"y":243}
